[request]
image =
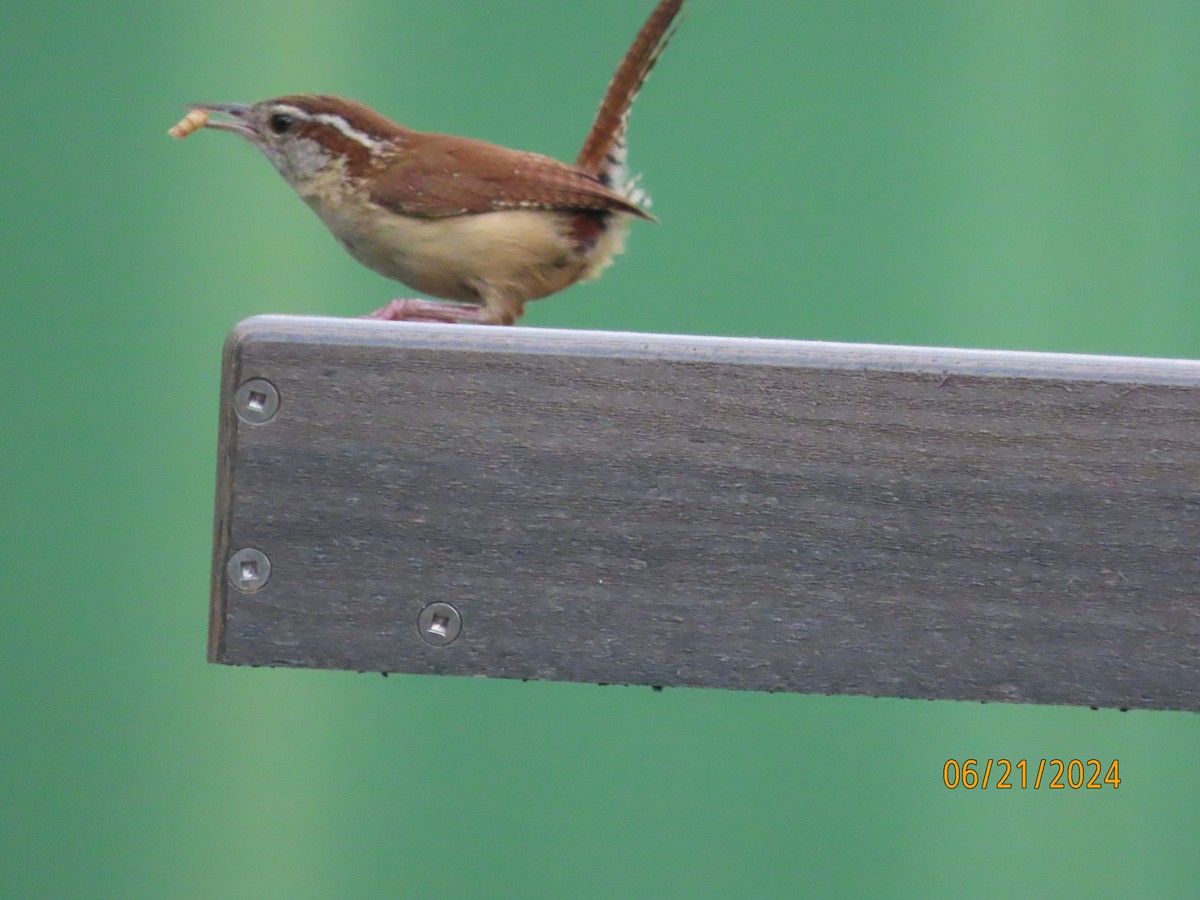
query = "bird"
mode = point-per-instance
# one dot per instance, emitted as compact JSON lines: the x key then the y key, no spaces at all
{"x":483,"y":227}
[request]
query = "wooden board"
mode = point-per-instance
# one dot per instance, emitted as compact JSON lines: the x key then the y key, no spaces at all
{"x":731,"y":513}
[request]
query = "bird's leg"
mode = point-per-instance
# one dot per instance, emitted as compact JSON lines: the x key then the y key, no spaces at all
{"x":412,"y":309}
{"x":497,"y":309}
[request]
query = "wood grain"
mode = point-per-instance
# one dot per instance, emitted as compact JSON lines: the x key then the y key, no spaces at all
{"x":731,"y":513}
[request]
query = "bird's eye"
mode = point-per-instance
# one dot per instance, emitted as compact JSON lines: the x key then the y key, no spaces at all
{"x":281,"y":123}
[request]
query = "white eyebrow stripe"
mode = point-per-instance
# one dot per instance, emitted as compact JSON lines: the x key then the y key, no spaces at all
{"x":292,"y":111}
{"x":353,"y":133}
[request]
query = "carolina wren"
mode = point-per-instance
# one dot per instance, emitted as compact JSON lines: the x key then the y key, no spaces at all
{"x":482,"y":225}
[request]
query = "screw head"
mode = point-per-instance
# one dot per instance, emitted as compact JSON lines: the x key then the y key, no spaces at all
{"x":439,"y":624}
{"x":248,"y":570}
{"x":256,"y":401}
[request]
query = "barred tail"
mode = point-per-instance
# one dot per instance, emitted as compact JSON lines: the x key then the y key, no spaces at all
{"x":604,"y":153}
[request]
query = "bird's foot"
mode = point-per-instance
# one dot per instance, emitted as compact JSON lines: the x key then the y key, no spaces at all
{"x":414,"y":310}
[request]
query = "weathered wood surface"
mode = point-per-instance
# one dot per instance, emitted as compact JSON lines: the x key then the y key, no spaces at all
{"x":762,"y":515}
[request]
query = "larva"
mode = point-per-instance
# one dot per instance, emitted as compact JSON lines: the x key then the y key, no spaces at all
{"x":193,"y":121}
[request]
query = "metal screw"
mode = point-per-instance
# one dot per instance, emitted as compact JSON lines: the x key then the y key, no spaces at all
{"x":248,"y":570}
{"x":439,"y":624}
{"x":256,"y":401}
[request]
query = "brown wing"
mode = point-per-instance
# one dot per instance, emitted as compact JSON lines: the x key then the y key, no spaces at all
{"x":439,"y":175}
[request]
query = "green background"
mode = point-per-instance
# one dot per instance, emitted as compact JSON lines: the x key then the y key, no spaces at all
{"x":987,"y":174}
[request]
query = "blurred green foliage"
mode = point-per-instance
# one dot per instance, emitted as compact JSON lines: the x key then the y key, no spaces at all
{"x":948,"y":172}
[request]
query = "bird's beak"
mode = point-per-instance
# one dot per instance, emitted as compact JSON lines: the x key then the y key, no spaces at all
{"x":238,"y":112}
